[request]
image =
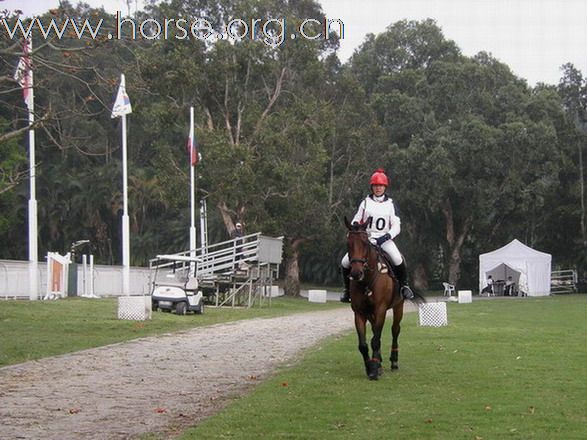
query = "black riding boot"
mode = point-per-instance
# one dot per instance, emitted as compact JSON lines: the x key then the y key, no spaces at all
{"x":346,"y":294}
{"x":402,"y":276}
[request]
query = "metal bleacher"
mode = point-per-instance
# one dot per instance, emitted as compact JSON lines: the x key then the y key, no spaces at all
{"x":237,"y":272}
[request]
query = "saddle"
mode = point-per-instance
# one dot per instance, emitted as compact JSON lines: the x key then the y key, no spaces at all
{"x":384,"y":264}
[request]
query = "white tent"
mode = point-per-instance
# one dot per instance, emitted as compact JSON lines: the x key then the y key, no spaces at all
{"x":529,"y":268}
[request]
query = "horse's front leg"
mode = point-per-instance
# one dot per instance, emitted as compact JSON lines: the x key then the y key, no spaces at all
{"x":361,"y":326}
{"x":377,"y":324}
{"x":398,"y":313}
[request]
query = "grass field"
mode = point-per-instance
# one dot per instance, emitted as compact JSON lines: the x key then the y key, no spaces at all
{"x":35,"y":329}
{"x":501,"y":369}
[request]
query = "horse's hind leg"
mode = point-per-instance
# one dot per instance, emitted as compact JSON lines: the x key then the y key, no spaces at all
{"x":361,"y":327}
{"x":398,"y":313}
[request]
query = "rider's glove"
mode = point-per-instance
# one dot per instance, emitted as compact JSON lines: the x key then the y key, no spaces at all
{"x":382,"y":239}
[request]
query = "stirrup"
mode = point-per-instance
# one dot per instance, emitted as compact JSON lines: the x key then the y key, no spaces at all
{"x":407,"y":292}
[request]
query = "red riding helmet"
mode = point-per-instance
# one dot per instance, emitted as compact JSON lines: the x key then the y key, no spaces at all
{"x":379,"y":178}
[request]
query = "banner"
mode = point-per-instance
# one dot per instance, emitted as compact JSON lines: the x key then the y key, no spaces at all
{"x":122,"y":104}
{"x":24,"y":74}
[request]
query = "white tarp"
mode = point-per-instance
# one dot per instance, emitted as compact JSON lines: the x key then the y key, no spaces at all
{"x":530,"y":267}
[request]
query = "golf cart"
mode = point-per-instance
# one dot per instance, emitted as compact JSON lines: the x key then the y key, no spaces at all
{"x":175,"y":286}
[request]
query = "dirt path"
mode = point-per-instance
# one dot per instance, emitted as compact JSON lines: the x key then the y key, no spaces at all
{"x":155,"y":384}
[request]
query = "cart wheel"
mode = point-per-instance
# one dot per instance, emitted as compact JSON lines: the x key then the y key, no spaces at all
{"x":200,"y":309}
{"x":181,"y":308}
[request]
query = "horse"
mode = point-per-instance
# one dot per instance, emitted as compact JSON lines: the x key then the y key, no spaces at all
{"x":372,"y":294}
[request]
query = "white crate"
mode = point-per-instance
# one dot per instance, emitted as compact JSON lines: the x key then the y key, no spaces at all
{"x":465,"y":296}
{"x":317,"y":296}
{"x":271,"y":291}
{"x":134,"y":308}
{"x":433,"y":314}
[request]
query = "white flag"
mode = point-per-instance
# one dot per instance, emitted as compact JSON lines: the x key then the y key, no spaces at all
{"x":122,"y":104}
{"x":24,"y":74}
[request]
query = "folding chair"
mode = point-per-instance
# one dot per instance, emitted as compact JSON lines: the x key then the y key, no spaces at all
{"x":449,"y":289}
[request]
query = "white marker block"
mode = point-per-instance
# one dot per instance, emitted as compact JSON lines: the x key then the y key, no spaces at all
{"x":465,"y":296}
{"x":317,"y":296}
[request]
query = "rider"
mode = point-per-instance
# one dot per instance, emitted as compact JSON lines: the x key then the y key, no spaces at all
{"x":383,"y":228}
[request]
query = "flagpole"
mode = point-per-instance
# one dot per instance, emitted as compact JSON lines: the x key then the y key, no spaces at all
{"x":32,"y":205}
{"x":192,"y":194}
{"x":125,"y":218}
{"x":121,"y":108}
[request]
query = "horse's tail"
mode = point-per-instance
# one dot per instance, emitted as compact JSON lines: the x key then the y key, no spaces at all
{"x":418,"y":298}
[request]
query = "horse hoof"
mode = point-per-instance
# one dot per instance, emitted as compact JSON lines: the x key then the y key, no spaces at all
{"x":373,"y":369}
{"x":395,"y":366}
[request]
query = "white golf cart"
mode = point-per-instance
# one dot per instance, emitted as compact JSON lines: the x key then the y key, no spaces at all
{"x":175,"y":286}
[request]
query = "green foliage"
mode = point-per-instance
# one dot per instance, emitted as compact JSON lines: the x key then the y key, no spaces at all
{"x":288,"y":138}
{"x":471,"y":152}
{"x":13,"y":165}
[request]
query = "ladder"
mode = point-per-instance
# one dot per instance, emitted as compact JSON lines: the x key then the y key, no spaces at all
{"x":203,"y":226}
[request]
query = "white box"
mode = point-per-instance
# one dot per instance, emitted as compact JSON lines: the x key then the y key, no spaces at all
{"x":465,"y":296}
{"x":317,"y":296}
{"x":433,"y":314}
{"x":134,"y":308}
{"x":271,"y":291}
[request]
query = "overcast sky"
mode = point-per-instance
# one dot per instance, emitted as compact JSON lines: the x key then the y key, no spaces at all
{"x":534,"y":37}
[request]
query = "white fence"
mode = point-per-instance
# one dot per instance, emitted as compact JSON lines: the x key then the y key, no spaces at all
{"x":563,"y":281}
{"x":14,"y":280}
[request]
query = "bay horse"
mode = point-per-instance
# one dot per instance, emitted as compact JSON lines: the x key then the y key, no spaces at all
{"x":373,"y":292}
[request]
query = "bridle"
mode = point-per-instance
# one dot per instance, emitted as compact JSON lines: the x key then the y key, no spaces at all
{"x":363,"y":261}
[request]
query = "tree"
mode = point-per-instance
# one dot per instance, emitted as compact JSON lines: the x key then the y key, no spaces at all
{"x":573,"y":89}
{"x":463,"y":141}
{"x":248,"y":98}
{"x":570,"y":238}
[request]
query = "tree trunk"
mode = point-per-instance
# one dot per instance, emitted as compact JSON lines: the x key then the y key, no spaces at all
{"x":292,"y":270}
{"x":455,"y":240}
{"x":454,"y":266}
{"x":420,"y":278}
{"x":225,"y":213}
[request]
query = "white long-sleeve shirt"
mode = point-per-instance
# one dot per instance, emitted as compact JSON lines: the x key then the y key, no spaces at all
{"x":383,"y":216}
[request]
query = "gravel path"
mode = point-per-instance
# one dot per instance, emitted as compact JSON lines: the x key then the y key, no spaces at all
{"x":157,"y":384}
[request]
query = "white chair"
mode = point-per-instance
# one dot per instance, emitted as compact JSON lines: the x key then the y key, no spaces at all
{"x":449,"y":289}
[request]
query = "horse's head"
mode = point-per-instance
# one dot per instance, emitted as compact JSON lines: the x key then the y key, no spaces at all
{"x":358,"y":248}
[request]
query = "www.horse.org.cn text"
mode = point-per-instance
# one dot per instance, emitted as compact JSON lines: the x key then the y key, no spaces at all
{"x":271,"y":31}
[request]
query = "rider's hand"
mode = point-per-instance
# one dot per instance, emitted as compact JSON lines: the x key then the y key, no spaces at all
{"x":382,"y":239}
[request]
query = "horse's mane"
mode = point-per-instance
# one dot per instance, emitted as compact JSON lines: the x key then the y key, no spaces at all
{"x":356,"y":226}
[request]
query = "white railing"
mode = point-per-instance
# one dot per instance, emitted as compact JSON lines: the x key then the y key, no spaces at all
{"x":107,"y":280}
{"x":563,"y":281}
{"x":218,"y":259}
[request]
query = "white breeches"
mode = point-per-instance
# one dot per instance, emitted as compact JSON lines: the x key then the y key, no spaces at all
{"x":389,"y":247}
